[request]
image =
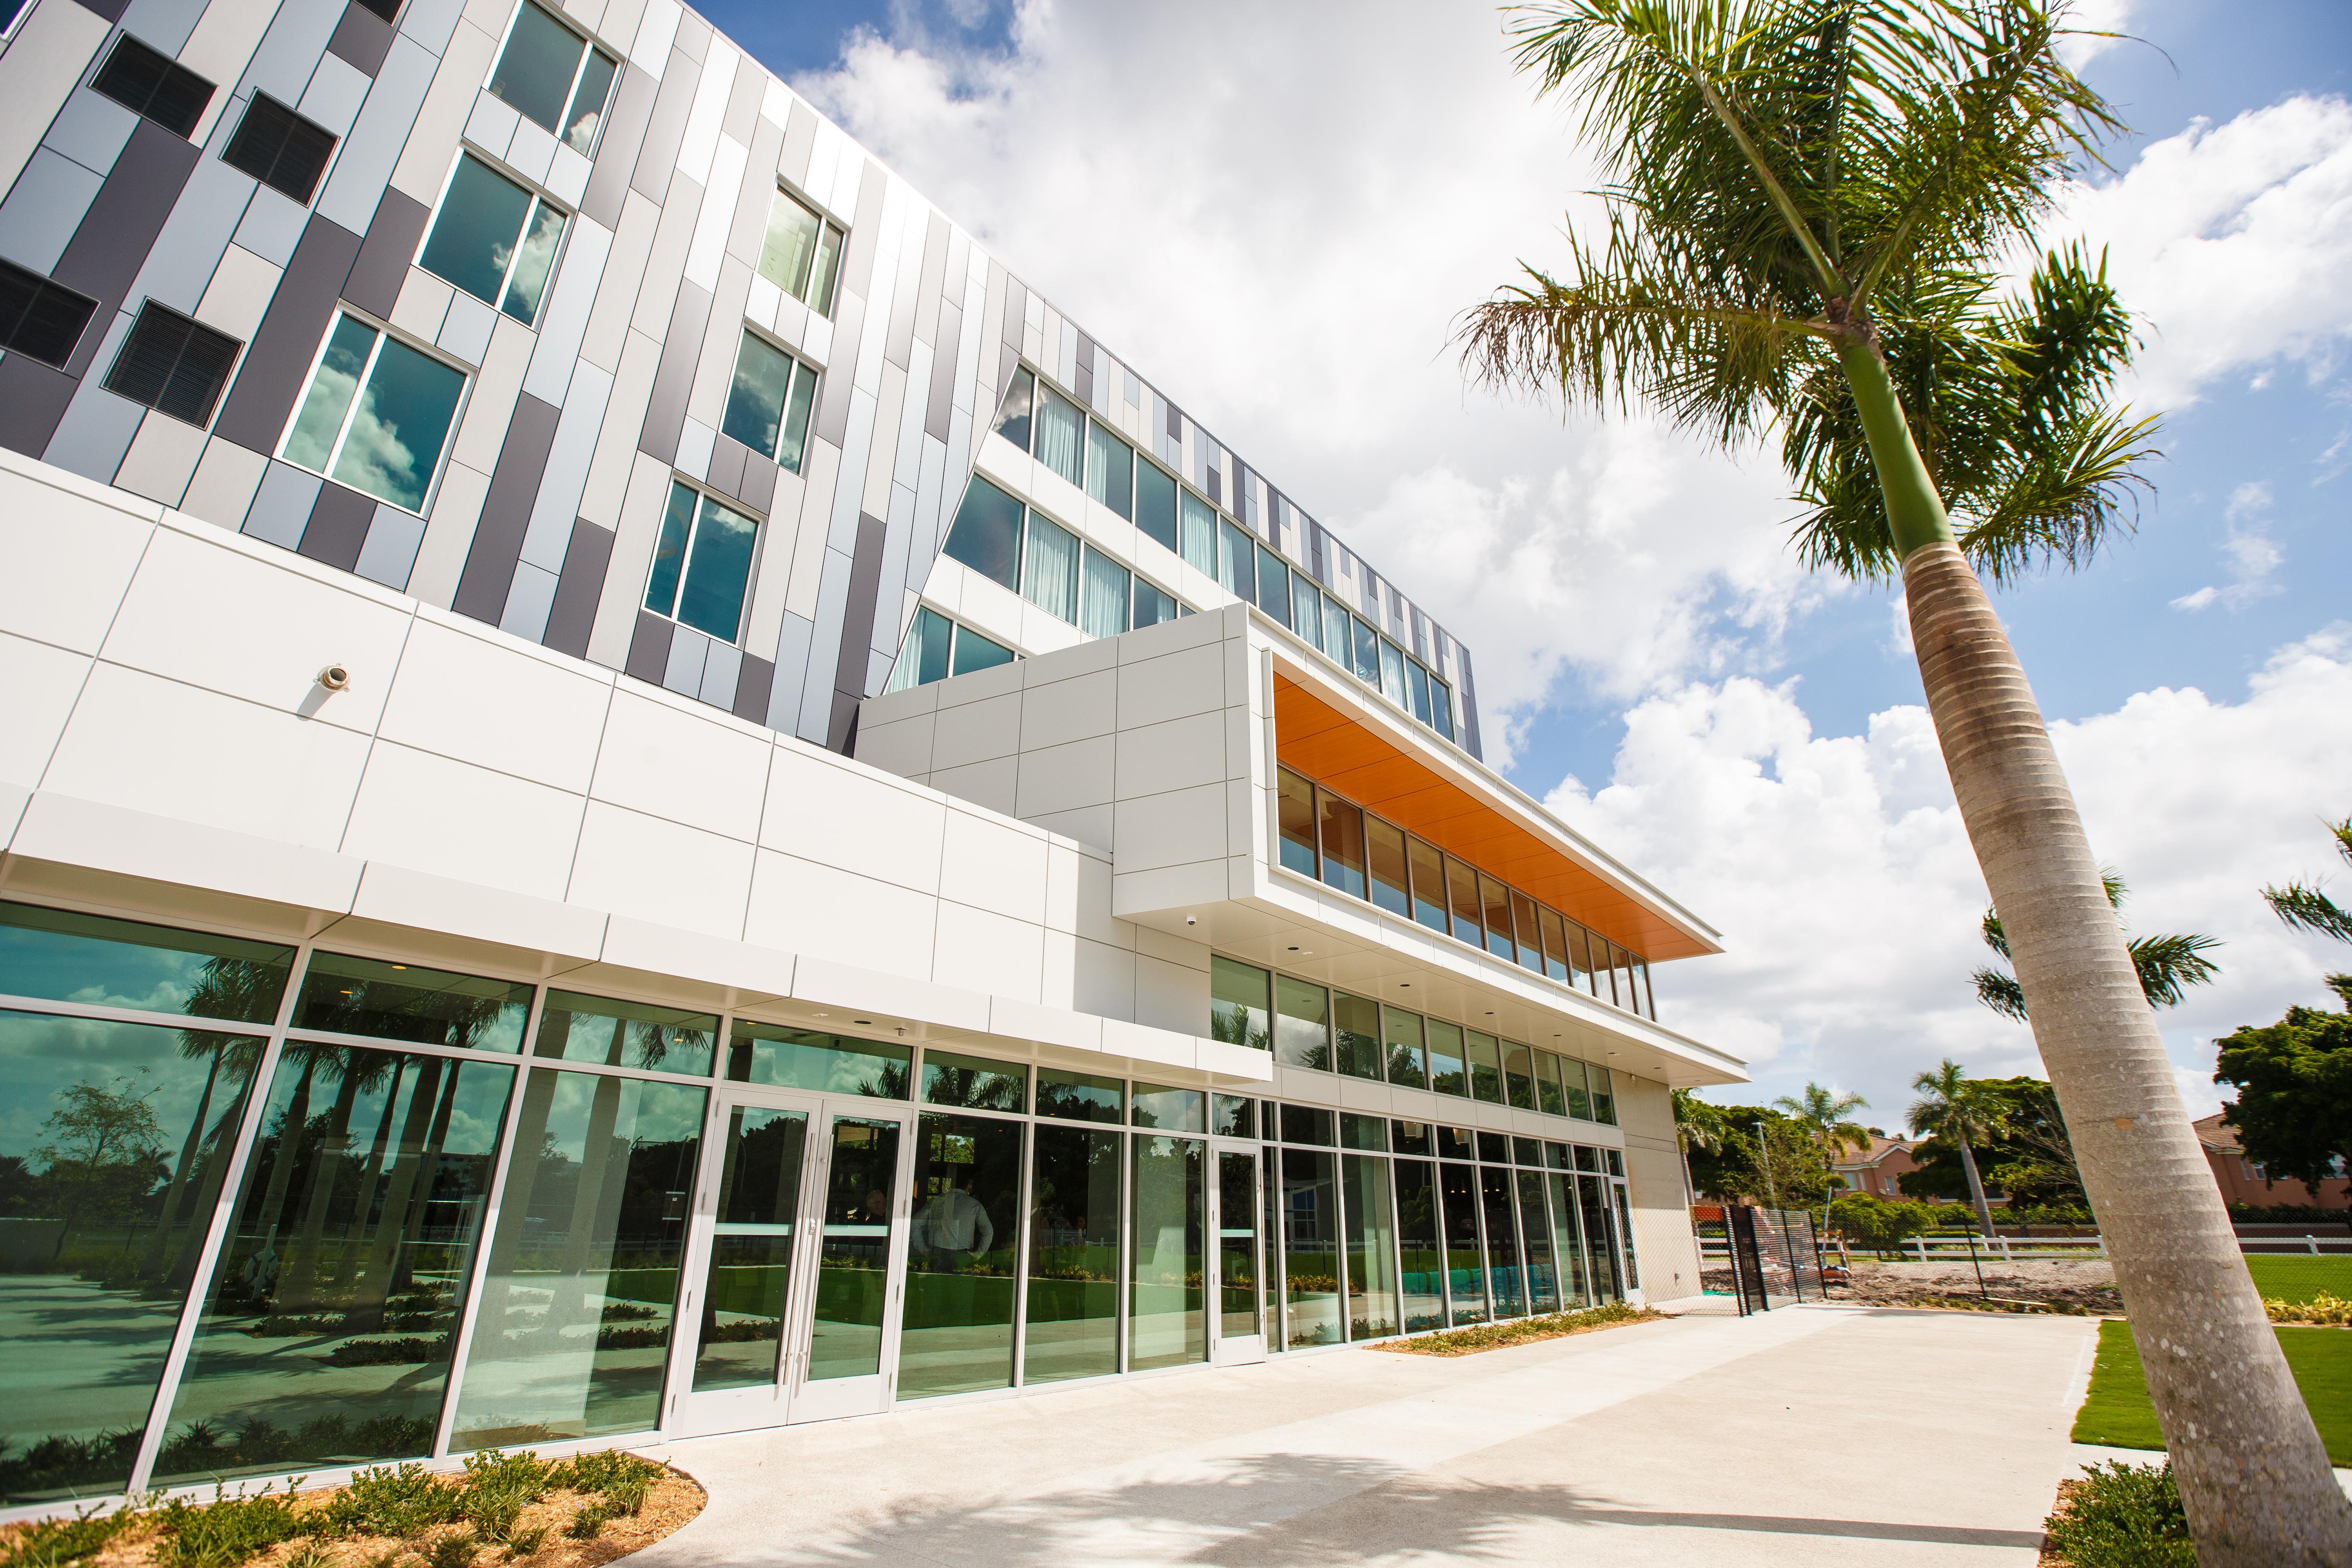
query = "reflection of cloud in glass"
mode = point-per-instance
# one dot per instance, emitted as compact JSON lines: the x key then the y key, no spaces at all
{"x":538,"y":255}
{"x":377,"y":460}
{"x":313,"y":439}
{"x":581,"y":134}
{"x":401,"y":420}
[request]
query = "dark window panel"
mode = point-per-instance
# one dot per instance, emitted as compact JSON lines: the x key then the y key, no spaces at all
{"x":154,"y":85}
{"x":280,"y":148}
{"x":38,"y":319}
{"x":173,"y":365}
{"x":387,"y":9}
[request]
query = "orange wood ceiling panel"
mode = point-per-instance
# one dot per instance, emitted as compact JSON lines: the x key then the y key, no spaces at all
{"x":1331,"y":748}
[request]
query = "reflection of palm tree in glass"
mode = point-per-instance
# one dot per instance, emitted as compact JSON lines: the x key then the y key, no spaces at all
{"x":427,"y":1103}
{"x":203,"y":1147}
{"x":357,"y":1071}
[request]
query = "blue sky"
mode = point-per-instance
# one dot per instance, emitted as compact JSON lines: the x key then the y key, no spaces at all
{"x":1278,"y":219}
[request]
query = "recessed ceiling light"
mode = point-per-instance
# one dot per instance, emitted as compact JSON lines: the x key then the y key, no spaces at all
{"x":869,"y":1021}
{"x":1404,"y":984}
{"x":1293,"y":950}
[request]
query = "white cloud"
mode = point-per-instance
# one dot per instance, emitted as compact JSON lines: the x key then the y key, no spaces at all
{"x":2088,"y":19}
{"x":2233,"y":242}
{"x":1280,"y":224}
{"x":1839,"y":873}
{"x":2248,"y":550}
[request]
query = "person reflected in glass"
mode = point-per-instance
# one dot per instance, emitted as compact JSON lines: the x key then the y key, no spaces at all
{"x":954,"y":1225}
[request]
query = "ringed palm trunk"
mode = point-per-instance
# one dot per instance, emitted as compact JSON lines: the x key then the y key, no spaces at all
{"x":2254,"y":1479}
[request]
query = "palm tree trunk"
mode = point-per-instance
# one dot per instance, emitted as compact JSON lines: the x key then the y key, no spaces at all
{"x":1976,"y":1186}
{"x":2253,"y":1477}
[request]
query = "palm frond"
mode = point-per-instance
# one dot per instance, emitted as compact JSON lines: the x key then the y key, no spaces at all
{"x":1996,"y":935}
{"x":2305,"y":908}
{"x":2000,"y":991}
{"x":2168,"y":966}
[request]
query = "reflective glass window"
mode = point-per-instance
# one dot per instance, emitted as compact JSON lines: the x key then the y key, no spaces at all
{"x":1462,"y":886}
{"x":1574,"y":1087}
{"x":974,"y":651}
{"x":1624,"y":1217}
{"x":1237,"y":1002}
{"x":1013,"y":414}
{"x":1367,"y":654}
{"x":57,"y":955}
{"x":986,"y":534}
{"x":1167,"y":1309}
{"x":1604,"y":1099}
{"x":1548,"y":1098}
{"x":573,"y":1336}
{"x":1155,"y":503}
{"x":1534,"y":1244}
{"x":1338,"y":633}
{"x":1295,"y":809}
{"x":956,"y":1318}
{"x":115,"y":1140}
{"x":924,"y":657}
{"x":1371,"y":1230}
{"x":1485,"y":1067}
{"x":1310,"y":1246}
{"x":1384,"y":860}
{"x":1411,"y":1137}
{"x":550,"y":77}
{"x":1408,"y":1059}
{"x":768,"y":402}
{"x":353,"y":1233}
{"x":1365,"y":1132}
{"x":1308,"y":1124}
{"x":1494,"y":1148}
{"x":1503,"y":1262}
{"x":1236,"y":562}
{"x":1302,"y":1024}
{"x":1103,"y":592}
{"x":801,"y":254}
{"x":1110,"y":470}
{"x":1428,"y":868}
{"x":1391,"y":673}
{"x":1273,"y":586}
{"x":1049,"y":569}
{"x":578,"y":1028}
{"x":1072,"y":1274}
{"x":1232,"y":1116}
{"x":1554,"y":945}
{"x":853,"y":1259}
{"x":347,"y":996}
{"x":974,"y":1083}
{"x":1465,"y":1263}
{"x":1082,"y":1097}
{"x":747,"y":1280}
{"x":1152,"y":604}
{"x":1567,"y":1240}
{"x":1523,"y":916}
{"x":1060,"y":433}
{"x":493,"y":238}
{"x":1421,"y":1281}
{"x":1527,"y":1151}
{"x":702,"y":563}
{"x":1441,"y":706}
{"x":1518,"y":1076}
{"x":1343,"y":843}
{"x":1579,"y":957}
{"x":1601,"y":1256}
{"x":1169,"y":1110}
{"x":1200,"y":534}
{"x":787,"y":1057}
{"x":1448,"y":1066}
{"x":1416,"y":688}
{"x":377,"y":415}
{"x":1306,"y":608}
{"x":1495,"y":898}
{"x":1355,"y":1032}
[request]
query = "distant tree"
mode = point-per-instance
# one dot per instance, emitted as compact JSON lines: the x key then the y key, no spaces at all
{"x":2028,"y":1157}
{"x":1762,"y":1156}
{"x":1697,"y":1125}
{"x":2168,"y":965}
{"x":2303,"y":907}
{"x":104,"y":1149}
{"x":1962,"y":1112}
{"x":2293,"y":1110}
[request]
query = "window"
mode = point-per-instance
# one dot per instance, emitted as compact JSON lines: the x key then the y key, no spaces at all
{"x":923,"y":658}
{"x":38,"y":319}
{"x":1462,"y":893}
{"x":173,"y":365}
{"x":1049,"y":576}
{"x":768,"y":402}
{"x":1343,"y":843}
{"x":493,"y":238}
{"x":1355,"y":1032}
{"x":1368,"y":653}
{"x":1200,"y":550}
{"x":1102,"y":595}
{"x":1448,"y":1070}
{"x":1110,"y":470}
{"x":377,"y":415}
{"x":1523,"y":913}
{"x":1416,"y":688}
{"x":1393,"y":673}
{"x":1428,"y":884}
{"x":553,"y":79}
{"x":280,"y":148}
{"x":986,"y":534}
{"x":1153,"y":605}
{"x":1155,"y":503}
{"x":801,"y":255}
{"x":1305,"y":609}
{"x":1013,"y":414}
{"x":1407,"y":1058}
{"x":1273,"y":586}
{"x":1384,"y":856}
{"x":1235,"y":563}
{"x":702,"y":562}
{"x":974,"y":651}
{"x":1497,"y":898}
{"x":1296,"y":816}
{"x":1237,"y":1005}
{"x":1555,"y":946}
{"x":1059,"y":432}
{"x":153,"y":85}
{"x":1441,"y":706}
{"x":1302,"y":1023}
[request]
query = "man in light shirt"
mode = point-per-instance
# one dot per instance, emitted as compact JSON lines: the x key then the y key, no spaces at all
{"x":953,"y":1223}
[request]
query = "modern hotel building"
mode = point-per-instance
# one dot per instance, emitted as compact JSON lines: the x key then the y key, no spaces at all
{"x":642,"y":796}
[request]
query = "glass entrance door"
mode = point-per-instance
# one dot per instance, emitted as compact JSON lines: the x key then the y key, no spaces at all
{"x":799,"y":1250}
{"x":1238,"y":1334}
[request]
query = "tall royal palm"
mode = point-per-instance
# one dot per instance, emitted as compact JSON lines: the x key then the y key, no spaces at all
{"x":1964,"y":1113}
{"x":1809,"y":206}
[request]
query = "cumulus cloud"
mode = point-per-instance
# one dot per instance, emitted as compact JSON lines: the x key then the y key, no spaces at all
{"x":2247,"y":549}
{"x":1840,"y":874}
{"x":2232,"y":241}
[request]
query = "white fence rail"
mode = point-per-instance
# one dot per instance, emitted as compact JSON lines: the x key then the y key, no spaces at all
{"x":2052,"y":1248}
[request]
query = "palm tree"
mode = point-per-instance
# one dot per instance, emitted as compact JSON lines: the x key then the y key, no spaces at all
{"x":1963,"y":1112}
{"x":1811,"y":202}
{"x":2305,"y":908}
{"x":1697,"y":1125}
{"x":1828,"y":1117}
{"x":2168,"y":965}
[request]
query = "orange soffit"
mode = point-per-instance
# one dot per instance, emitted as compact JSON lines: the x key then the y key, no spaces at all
{"x":1332,"y":748}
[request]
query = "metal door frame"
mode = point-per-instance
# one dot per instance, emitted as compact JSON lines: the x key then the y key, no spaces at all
{"x":1241,"y":1349}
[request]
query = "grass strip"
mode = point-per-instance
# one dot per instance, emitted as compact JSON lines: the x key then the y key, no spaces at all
{"x":2285,"y":1277}
{"x":2117,"y":1412}
{"x":1518,"y":1332}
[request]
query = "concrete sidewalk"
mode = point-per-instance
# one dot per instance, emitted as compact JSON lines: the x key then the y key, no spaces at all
{"x":1814,"y":1436}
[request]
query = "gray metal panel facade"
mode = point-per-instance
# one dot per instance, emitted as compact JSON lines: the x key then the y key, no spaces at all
{"x":550,"y":484}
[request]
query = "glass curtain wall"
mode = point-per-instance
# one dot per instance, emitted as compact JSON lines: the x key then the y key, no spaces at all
{"x":1074,"y":1237}
{"x":1310,"y":1246}
{"x":963,"y":1250}
{"x":1466,"y":1256}
{"x":1167,"y":1317}
{"x":1534,"y":1244}
{"x":747,"y":1283}
{"x":1371,"y":1247}
{"x":1421,"y":1260}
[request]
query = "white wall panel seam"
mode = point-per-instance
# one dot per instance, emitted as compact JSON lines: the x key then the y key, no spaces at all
{"x":367,"y":758}
{"x":96,"y":653}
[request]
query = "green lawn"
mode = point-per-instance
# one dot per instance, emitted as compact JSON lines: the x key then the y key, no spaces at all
{"x":2285,"y":1277}
{"x":2118,"y":1412}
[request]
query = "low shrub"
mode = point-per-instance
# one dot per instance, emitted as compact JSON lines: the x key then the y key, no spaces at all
{"x":227,"y":1530}
{"x":601,"y":1471}
{"x":2322,"y":1309}
{"x":458,"y":1549}
{"x":385,"y":1499}
{"x":587,"y":1522}
{"x":1519,"y":1330}
{"x":2122,"y":1516}
{"x":53,"y":1544}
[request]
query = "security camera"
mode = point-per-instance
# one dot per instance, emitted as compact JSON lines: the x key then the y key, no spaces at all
{"x":334,"y":678}
{"x":1190,"y":921}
